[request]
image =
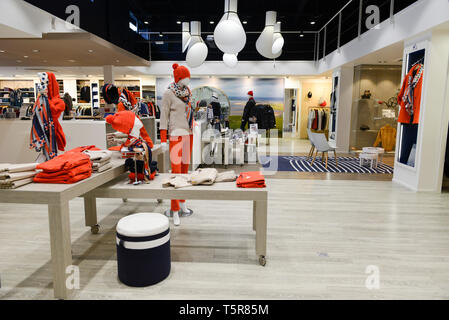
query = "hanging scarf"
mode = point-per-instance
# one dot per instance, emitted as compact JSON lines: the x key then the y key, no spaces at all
{"x":184,"y":94}
{"x":412,"y":82}
{"x":43,"y":134}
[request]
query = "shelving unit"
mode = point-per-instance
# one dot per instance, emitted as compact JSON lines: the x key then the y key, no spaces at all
{"x":79,"y":85}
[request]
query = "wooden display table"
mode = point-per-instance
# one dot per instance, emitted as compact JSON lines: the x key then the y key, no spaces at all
{"x":219,"y":191}
{"x":57,"y":197}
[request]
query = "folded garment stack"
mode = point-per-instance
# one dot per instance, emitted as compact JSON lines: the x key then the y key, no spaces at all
{"x":13,"y":176}
{"x":101,"y":159}
{"x":253,"y":179}
{"x":207,"y":176}
{"x":67,"y":168}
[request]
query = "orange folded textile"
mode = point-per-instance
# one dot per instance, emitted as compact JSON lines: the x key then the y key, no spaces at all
{"x":65,"y":162}
{"x":64,"y":181}
{"x":82,"y":149}
{"x":252,"y":179}
{"x":66,"y":174}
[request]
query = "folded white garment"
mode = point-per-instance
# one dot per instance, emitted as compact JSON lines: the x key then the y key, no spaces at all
{"x":228,"y":176}
{"x":98,"y":165}
{"x":13,"y":168}
{"x":15,"y":184}
{"x":99,"y":155}
{"x":179,"y":181}
{"x":103,"y":168}
{"x":6,"y":177}
{"x":204,"y":176}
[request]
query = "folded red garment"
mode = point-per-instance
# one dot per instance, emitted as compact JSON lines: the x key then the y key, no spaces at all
{"x":65,"y":162}
{"x":66,"y":174}
{"x":252,"y":179}
{"x":64,"y":181}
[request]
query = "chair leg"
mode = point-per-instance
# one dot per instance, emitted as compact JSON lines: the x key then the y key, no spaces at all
{"x":322,"y":157}
{"x":336,"y":159}
{"x":312,"y":149}
{"x":327,"y":158}
{"x":314,"y":158}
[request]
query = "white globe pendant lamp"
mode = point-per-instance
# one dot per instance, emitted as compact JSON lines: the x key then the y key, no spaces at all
{"x":197,"y":51}
{"x":278,"y":40}
{"x":264,"y":43}
{"x":230,"y":60}
{"x":229,"y":35}
{"x":186,"y":37}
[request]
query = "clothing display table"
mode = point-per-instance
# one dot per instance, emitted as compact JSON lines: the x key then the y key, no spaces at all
{"x":219,"y":191}
{"x":57,"y":197}
{"x":371,"y":158}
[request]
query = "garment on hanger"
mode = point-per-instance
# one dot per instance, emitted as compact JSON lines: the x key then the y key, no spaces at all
{"x":85,"y":94}
{"x":386,"y":137}
{"x":409,"y":97}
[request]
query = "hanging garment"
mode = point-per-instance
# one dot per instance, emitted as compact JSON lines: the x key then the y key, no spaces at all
{"x":127,"y":101}
{"x":248,"y":113}
{"x":409,"y":97}
{"x":85,"y":94}
{"x":68,"y":101}
{"x":386,"y":137}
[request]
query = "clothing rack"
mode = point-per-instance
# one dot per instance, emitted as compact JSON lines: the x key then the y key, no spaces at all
{"x":317,"y":126}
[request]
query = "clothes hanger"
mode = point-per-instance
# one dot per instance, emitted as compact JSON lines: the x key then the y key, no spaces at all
{"x":420,"y":61}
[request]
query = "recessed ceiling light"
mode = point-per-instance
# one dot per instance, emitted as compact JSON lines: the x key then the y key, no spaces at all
{"x":301,"y":35}
{"x":244,"y":22}
{"x":178,"y":22}
{"x":211,"y":22}
{"x":161,"y":35}
{"x":90,"y":50}
{"x":35,"y":51}
{"x":26,"y":57}
{"x":159,"y":42}
{"x":71,"y":60}
{"x":19,"y":61}
{"x":312,"y":22}
{"x":146,"y":22}
{"x":2,"y":51}
{"x":117,"y":61}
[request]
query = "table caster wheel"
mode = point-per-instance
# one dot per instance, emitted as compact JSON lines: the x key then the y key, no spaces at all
{"x":262,"y":261}
{"x":95,"y":229}
{"x":160,"y":201}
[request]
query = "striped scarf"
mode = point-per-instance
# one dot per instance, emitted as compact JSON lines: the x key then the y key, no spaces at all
{"x":185,"y":95}
{"x":43,"y":135}
{"x":412,"y":82}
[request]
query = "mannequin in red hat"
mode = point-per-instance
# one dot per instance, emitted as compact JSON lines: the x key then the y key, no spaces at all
{"x":176,"y":125}
{"x":249,"y":113}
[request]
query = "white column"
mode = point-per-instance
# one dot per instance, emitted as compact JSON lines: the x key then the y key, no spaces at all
{"x":344,"y":97}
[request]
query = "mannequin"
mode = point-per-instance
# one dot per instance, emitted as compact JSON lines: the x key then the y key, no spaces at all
{"x":176,"y":125}
{"x":216,"y":110}
{"x":249,"y":113}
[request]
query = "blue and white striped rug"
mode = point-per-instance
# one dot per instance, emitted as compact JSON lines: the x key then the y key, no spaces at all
{"x":303,"y":164}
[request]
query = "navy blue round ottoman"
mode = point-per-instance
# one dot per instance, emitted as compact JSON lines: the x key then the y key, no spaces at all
{"x":143,"y":249}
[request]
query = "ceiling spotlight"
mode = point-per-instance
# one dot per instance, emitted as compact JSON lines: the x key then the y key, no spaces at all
{"x":198,"y":51}
{"x":245,"y":22}
{"x":90,"y":50}
{"x":301,"y":35}
{"x":35,"y":51}
{"x":161,"y":35}
{"x":211,"y":22}
{"x":229,"y":35}
{"x":178,"y":22}
{"x":26,"y":57}
{"x":146,"y":22}
{"x":312,"y":22}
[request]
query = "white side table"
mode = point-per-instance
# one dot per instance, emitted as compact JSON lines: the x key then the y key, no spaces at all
{"x":379,"y":151}
{"x":371,"y":158}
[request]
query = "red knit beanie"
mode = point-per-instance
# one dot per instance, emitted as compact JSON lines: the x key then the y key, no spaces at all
{"x":180,"y":72}
{"x":250,"y":93}
{"x":125,"y":122}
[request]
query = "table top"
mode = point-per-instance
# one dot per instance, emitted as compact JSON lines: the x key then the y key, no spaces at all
{"x":120,"y":188}
{"x":369,"y":156}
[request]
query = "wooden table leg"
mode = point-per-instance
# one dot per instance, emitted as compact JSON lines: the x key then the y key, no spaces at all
{"x":254,"y":215}
{"x":90,"y":213}
{"x":261,"y":231}
{"x":61,"y":247}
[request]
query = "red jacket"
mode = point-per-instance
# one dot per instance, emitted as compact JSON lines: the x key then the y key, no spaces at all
{"x":57,"y":107}
{"x":404,"y":116}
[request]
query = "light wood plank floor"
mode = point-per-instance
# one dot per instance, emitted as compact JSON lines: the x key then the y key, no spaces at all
{"x":322,"y":234}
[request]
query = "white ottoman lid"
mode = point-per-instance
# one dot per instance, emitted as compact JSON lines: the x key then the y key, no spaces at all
{"x":143,"y":225}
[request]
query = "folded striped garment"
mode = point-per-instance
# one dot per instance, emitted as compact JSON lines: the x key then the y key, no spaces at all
{"x":6,"y":177}
{"x":14,"y":168}
{"x":15,"y":184}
